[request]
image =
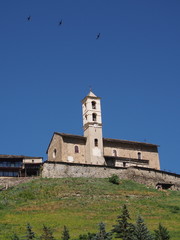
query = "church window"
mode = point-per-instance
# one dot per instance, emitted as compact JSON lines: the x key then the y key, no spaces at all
{"x":124,"y":164}
{"x":114,"y":153}
{"x":93,"y":104}
{"x":96,"y":142}
{"x":94,"y":117}
{"x":139,"y":155}
{"x":76,"y":149}
{"x":54,"y":153}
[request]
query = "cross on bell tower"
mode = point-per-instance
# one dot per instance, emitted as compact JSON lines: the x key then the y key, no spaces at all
{"x":92,"y":125}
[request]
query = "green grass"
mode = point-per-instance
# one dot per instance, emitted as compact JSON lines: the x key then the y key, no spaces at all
{"x":81,"y":203}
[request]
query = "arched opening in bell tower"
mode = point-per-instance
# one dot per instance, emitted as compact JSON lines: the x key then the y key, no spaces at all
{"x":93,"y":104}
{"x":94,"y":117}
{"x":96,"y":142}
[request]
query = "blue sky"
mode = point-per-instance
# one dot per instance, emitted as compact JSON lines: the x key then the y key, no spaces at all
{"x":46,"y":69}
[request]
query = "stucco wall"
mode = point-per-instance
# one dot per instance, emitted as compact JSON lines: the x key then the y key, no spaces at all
{"x":128,"y":151}
{"x":56,"y":144}
{"x":65,"y":150}
{"x":120,"y":163}
{"x":69,"y":154}
{"x":32,"y":160}
{"x":144,"y":176}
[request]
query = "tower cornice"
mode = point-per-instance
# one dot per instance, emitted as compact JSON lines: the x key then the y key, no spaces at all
{"x":92,"y":124}
{"x":91,"y":97}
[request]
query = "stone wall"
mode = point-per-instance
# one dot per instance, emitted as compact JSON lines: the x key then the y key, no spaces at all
{"x":141,"y":175}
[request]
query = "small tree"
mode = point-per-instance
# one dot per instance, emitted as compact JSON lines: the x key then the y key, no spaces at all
{"x":102,"y":234}
{"x":141,"y":232}
{"x":88,"y":236}
{"x":47,"y":234}
{"x":161,"y":233}
{"x":65,"y":234}
{"x":123,"y":229}
{"x":29,"y":233}
{"x":15,"y":237}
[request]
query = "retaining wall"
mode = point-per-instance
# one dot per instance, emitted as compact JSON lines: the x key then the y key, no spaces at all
{"x":146,"y":176}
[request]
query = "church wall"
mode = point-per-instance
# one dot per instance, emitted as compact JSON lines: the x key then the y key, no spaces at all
{"x":69,"y":154}
{"x":129,"y":151}
{"x":55,"y":149}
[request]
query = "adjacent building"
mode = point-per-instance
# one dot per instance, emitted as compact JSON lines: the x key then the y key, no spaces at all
{"x":19,"y":166}
{"x":93,"y":149}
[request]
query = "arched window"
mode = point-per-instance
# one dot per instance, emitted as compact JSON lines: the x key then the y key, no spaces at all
{"x":96,"y":142}
{"x":94,"y":117}
{"x":76,"y":149}
{"x":139,"y":155}
{"x":54,"y":153}
{"x":93,"y":104}
{"x":114,"y":153}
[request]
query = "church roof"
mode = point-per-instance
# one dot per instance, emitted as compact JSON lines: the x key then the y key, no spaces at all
{"x":129,"y":142}
{"x":71,"y":136}
{"x":91,"y":94}
{"x":3,"y":156}
{"x":66,"y":135}
{"x":106,"y":140}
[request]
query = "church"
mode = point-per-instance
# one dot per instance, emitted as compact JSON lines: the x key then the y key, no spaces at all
{"x":93,"y":149}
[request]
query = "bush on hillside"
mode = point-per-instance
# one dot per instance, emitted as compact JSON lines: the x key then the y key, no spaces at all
{"x":114,"y":179}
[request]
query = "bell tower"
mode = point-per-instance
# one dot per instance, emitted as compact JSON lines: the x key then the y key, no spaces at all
{"x":92,"y":125}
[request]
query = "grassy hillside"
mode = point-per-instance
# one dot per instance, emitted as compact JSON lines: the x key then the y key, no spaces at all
{"x":81,"y":203}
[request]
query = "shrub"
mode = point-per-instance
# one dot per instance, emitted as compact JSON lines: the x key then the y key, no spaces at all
{"x":114,"y":179}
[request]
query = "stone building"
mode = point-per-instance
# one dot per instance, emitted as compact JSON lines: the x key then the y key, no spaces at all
{"x":93,"y":149}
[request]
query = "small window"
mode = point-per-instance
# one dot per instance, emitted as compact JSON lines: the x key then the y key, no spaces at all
{"x":93,"y":104}
{"x":139,"y":155}
{"x":54,"y":153}
{"x":94,"y":117}
{"x":114,"y":153}
{"x":76,"y":149}
{"x":86,"y":116}
{"x":32,"y":160}
{"x":124,"y":164}
{"x":96,"y":142}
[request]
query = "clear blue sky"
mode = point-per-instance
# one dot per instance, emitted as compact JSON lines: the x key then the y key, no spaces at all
{"x":46,"y":69}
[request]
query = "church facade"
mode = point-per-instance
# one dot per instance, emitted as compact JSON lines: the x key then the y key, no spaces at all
{"x":93,"y":149}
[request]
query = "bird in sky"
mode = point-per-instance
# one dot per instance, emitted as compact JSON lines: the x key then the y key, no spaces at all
{"x":29,"y":18}
{"x":98,"y":36}
{"x":60,"y":22}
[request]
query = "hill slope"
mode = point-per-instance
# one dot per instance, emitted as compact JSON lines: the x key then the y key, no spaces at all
{"x":81,"y":203}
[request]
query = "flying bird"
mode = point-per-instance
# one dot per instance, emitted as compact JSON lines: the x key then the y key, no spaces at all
{"x":29,"y":18}
{"x":60,"y":23}
{"x":98,"y":36}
